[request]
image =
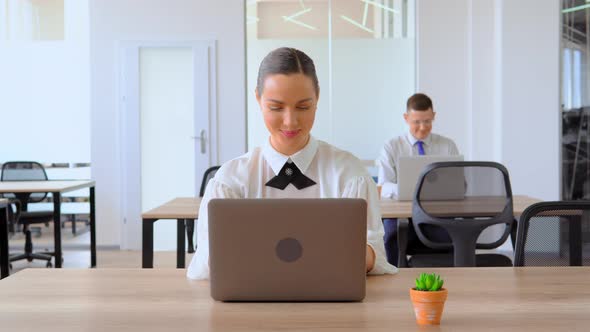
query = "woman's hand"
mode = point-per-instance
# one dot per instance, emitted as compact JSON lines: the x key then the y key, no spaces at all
{"x":370,"y":259}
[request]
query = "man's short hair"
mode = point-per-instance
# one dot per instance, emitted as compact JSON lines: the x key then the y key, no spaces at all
{"x":419,"y":102}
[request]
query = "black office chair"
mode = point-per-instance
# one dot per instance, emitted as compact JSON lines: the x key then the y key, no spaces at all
{"x":554,"y":234}
{"x":27,"y":171}
{"x":190,"y":224}
{"x":454,"y":202}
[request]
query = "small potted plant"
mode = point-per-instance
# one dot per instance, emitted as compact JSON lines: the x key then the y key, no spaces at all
{"x":428,"y":298}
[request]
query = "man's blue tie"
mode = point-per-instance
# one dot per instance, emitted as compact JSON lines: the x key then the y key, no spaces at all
{"x":420,"y":147}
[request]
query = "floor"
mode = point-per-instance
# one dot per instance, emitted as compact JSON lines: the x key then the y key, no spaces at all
{"x":76,"y":251}
{"x":106,"y":259}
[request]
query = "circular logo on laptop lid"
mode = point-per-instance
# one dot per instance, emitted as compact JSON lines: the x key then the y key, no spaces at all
{"x":289,"y":250}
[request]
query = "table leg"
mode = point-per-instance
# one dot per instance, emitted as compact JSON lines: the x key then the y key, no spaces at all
{"x":575,"y":240}
{"x":190,"y":231}
{"x":4,"y":256}
{"x":147,"y":258}
{"x":92,"y":228}
{"x":180,"y":243}
{"x":57,"y":228}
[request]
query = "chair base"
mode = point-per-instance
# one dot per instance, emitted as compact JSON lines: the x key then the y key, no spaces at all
{"x":48,"y":256}
{"x":431,"y":260}
{"x":29,"y":255}
{"x":447,"y":260}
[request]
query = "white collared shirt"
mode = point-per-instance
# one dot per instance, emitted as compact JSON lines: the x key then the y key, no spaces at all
{"x":338,"y":174}
{"x":405,"y":145}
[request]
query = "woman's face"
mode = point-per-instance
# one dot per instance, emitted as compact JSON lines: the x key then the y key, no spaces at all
{"x":288,"y":104}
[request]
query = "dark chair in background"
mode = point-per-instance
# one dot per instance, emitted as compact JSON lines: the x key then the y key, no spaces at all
{"x":190,"y":224}
{"x":554,"y":234}
{"x":454,"y":202}
{"x":27,"y":171}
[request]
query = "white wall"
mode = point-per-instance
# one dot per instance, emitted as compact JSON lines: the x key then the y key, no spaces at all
{"x":441,"y":58}
{"x":530,"y":95}
{"x":158,"y":20}
{"x":485,"y":115}
{"x":45,"y":94}
{"x":492,"y":68}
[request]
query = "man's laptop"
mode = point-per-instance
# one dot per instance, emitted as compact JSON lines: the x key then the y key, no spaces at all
{"x":287,"y":249}
{"x":410,"y":168}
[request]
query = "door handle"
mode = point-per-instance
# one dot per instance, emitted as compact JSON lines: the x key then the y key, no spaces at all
{"x":203,"y":139}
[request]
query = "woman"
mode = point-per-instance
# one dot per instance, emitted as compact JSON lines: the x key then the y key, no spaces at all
{"x":288,"y":91}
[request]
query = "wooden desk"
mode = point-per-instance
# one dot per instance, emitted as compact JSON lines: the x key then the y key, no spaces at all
{"x":491,"y":299}
{"x":181,"y":209}
{"x":4,"y":255}
{"x":187,"y":208}
{"x":56,"y":188}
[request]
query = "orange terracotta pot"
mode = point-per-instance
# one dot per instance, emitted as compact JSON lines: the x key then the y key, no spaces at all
{"x":428,"y":306}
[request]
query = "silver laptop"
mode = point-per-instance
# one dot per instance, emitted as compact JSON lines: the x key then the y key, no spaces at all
{"x":287,"y":249}
{"x":409,"y":170}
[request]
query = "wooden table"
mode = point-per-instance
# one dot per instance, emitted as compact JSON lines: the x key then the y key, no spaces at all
{"x":56,"y":188}
{"x":181,"y":209}
{"x":4,"y":256}
{"x":490,"y":299}
{"x":187,"y":208}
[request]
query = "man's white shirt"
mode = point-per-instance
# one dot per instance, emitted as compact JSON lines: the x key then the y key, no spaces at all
{"x":405,"y":145}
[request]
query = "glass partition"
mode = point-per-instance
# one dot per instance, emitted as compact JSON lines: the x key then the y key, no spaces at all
{"x":32,"y":19}
{"x":364,"y":53}
{"x":575,"y":95}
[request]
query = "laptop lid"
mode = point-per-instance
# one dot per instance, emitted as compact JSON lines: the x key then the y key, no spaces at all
{"x":409,"y":170}
{"x":287,"y":249}
{"x":444,"y":184}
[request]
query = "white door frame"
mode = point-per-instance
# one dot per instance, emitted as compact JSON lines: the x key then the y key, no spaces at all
{"x":205,"y":97}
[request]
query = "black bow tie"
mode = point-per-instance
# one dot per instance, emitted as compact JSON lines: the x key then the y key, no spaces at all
{"x":290,"y":174}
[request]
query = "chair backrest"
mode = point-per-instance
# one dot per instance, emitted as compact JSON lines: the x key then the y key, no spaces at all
{"x":24,"y":171}
{"x":554,"y":234}
{"x":464,"y":198}
{"x":209,"y":174}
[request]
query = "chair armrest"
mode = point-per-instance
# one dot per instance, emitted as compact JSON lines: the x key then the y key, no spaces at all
{"x":402,"y":242}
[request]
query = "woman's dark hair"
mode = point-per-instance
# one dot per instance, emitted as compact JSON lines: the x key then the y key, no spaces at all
{"x":286,"y":61}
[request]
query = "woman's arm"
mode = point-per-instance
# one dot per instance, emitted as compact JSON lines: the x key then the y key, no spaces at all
{"x":199,"y":266}
{"x":364,"y":187}
{"x":370,"y":258}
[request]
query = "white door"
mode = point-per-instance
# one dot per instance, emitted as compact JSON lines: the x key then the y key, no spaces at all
{"x":167,"y":102}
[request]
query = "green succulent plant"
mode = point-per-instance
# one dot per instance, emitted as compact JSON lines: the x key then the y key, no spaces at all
{"x":429,"y":282}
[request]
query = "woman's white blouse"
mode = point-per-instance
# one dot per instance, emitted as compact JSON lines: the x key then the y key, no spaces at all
{"x":338,"y":174}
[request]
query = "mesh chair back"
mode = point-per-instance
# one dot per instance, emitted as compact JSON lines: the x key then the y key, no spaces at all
{"x":452,"y":190}
{"x":464,"y":198}
{"x":24,"y":171}
{"x":554,"y":234}
{"x":209,"y":174}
